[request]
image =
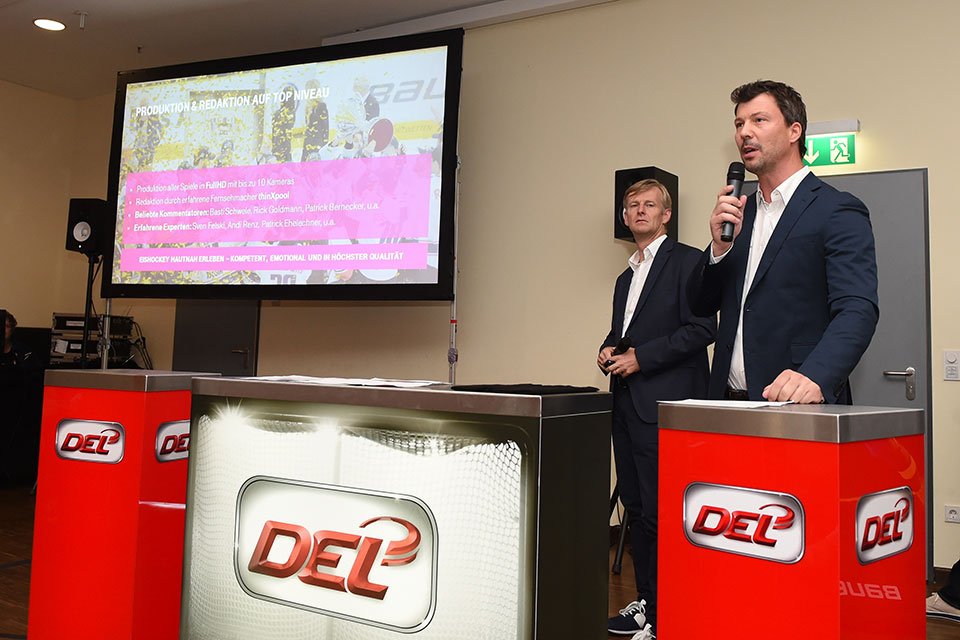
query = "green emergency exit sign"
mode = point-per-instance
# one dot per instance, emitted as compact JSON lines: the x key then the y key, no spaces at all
{"x":834,"y":149}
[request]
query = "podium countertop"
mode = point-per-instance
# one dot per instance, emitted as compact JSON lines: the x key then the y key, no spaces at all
{"x":122,"y":379}
{"x":435,"y":397}
{"x":811,"y":422}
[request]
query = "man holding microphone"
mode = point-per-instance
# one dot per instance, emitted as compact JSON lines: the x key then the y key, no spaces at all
{"x":796,"y":287}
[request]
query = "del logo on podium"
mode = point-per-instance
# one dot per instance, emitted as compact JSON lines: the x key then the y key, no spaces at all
{"x":884,"y":524}
{"x":173,"y":441}
{"x":749,"y":522}
{"x":364,"y":556}
{"x":90,"y":441}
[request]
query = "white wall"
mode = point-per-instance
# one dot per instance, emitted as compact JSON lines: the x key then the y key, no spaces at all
{"x":36,"y":150}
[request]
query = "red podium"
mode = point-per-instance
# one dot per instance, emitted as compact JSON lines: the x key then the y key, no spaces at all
{"x":791,"y":522}
{"x":108,"y":532}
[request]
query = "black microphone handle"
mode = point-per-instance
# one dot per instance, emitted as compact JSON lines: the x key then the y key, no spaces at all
{"x":623,"y":346}
{"x":726,"y":230}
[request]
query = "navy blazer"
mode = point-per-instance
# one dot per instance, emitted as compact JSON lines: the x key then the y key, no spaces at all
{"x":813,"y":304}
{"x":669,"y":341}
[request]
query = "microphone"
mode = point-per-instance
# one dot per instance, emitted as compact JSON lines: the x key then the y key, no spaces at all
{"x":735,"y":175}
{"x":621,"y":347}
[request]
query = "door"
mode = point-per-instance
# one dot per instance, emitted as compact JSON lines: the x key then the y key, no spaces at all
{"x":897,"y":201}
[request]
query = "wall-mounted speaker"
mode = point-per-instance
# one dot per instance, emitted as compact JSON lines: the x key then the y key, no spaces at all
{"x":89,"y":226}
{"x":626,"y":177}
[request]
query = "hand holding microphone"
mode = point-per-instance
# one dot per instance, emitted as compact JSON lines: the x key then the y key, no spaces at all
{"x":729,"y":203}
{"x":622,"y":346}
{"x":735,"y":175}
{"x":609,"y":357}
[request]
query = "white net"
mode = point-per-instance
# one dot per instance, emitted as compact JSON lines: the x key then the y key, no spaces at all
{"x":472,"y":484}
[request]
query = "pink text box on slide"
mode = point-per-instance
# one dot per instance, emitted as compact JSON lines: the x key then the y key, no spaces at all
{"x":372,"y":198}
{"x":404,"y":255}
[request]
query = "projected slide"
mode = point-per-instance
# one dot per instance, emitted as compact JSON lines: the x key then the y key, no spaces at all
{"x":319,"y":173}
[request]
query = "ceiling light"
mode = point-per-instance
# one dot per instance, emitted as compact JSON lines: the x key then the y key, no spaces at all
{"x":49,"y":25}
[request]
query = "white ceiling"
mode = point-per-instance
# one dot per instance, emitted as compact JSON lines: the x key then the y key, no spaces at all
{"x":121,"y":35}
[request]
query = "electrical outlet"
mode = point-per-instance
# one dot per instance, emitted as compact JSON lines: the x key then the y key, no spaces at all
{"x":951,"y":513}
{"x":951,"y":364}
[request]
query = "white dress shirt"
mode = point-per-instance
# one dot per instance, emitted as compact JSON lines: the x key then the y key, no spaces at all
{"x":768,"y":215}
{"x":641,"y":268}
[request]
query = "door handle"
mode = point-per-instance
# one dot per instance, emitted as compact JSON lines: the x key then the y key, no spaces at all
{"x":909,"y":378}
{"x":246,"y":357}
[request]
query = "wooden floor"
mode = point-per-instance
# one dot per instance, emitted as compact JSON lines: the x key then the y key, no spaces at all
{"x":16,"y":531}
{"x":16,"y":546}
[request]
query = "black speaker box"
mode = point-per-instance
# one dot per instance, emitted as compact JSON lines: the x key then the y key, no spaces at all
{"x":626,"y":177}
{"x":89,"y":226}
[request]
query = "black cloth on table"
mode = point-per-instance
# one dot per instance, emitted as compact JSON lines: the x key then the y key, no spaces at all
{"x":526,"y":389}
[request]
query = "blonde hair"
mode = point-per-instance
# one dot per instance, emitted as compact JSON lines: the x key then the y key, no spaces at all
{"x":646,"y":185}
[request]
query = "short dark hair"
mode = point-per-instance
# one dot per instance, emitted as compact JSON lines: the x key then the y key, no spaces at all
{"x":12,"y":320}
{"x":788,"y":100}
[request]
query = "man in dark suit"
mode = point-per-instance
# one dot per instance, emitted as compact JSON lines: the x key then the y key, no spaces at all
{"x":797,"y":288}
{"x":667,"y":360}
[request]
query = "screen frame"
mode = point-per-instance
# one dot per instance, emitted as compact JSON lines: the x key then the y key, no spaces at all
{"x":444,"y":288}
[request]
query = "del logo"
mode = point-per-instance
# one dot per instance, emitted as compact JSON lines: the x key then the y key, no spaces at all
{"x":173,"y":441}
{"x":884,"y":524}
{"x":90,"y":441}
{"x":748,"y":522}
{"x":365,"y":556}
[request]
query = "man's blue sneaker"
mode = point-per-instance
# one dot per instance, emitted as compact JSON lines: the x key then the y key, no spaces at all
{"x":631,"y":620}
